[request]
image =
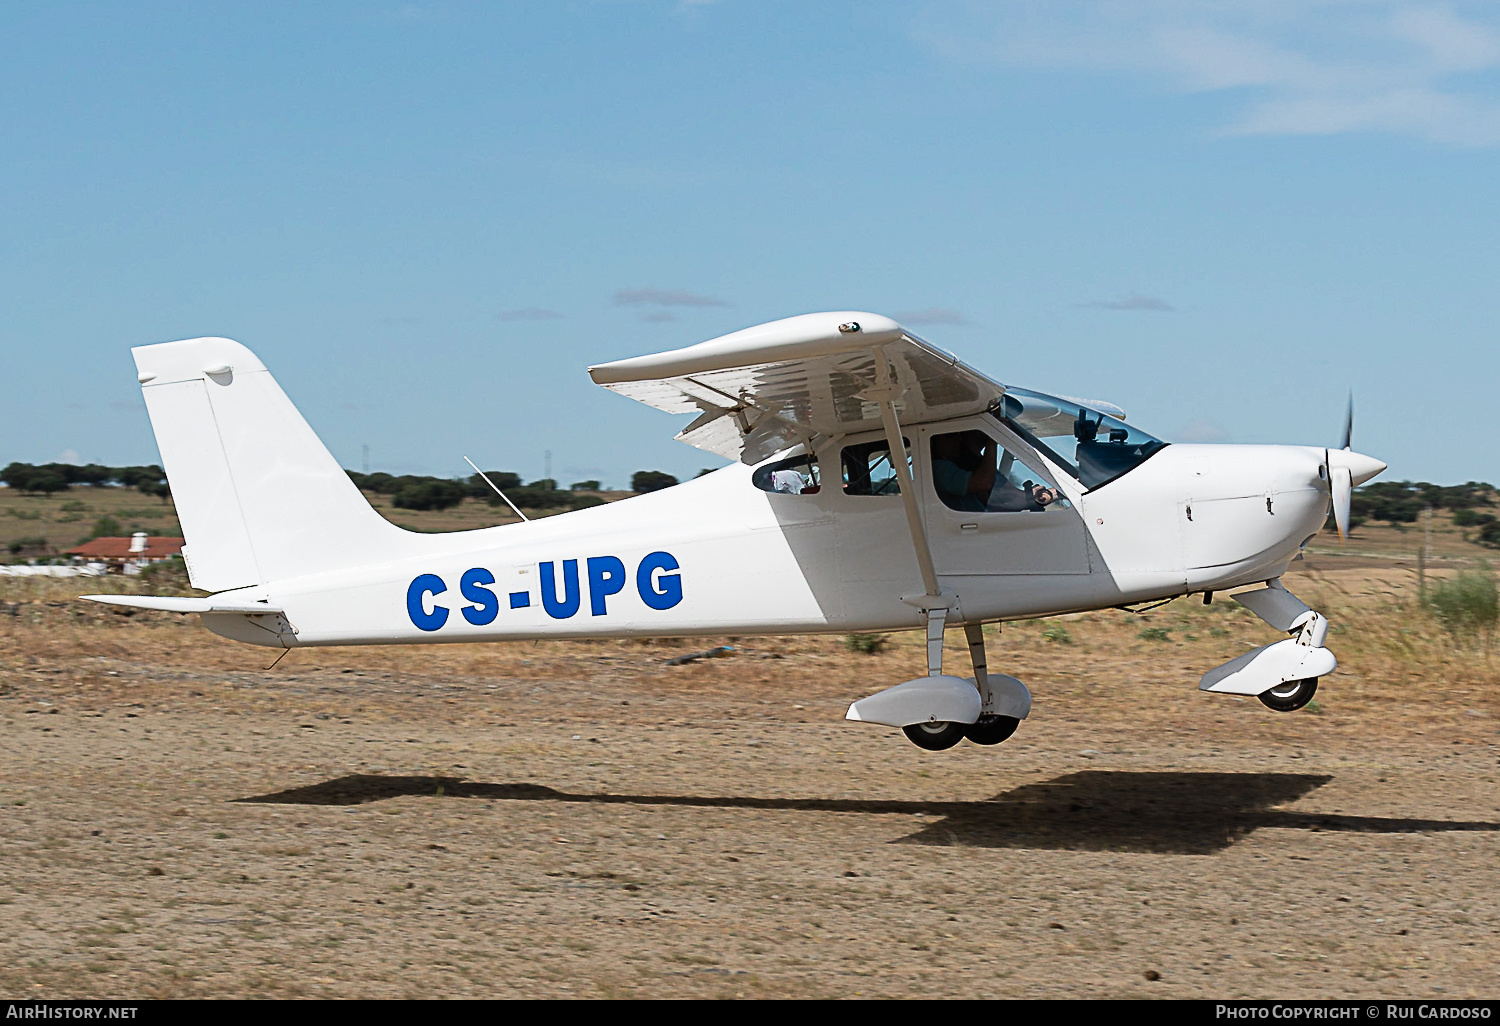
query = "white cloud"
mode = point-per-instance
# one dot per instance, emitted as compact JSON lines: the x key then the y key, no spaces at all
{"x":1314,"y":67}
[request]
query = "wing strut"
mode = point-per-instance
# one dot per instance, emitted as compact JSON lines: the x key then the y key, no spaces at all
{"x":934,"y":603}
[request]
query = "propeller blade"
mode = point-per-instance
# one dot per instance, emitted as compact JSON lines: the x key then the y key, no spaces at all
{"x":1343,"y":487}
{"x":1349,"y":422}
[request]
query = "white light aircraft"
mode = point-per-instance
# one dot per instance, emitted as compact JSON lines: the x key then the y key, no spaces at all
{"x":1004,"y":504}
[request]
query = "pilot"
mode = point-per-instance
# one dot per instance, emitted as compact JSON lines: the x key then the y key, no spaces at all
{"x":966,"y":477}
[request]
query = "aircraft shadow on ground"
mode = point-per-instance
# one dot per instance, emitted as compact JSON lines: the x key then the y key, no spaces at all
{"x":1094,"y":810}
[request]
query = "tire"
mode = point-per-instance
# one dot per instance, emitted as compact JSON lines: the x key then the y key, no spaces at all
{"x":991,"y":730}
{"x":1291,"y":696}
{"x":936,"y":736}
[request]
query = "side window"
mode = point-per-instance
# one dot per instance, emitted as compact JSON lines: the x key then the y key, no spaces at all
{"x":974,"y":473}
{"x":795,"y":476}
{"x":868,"y":469}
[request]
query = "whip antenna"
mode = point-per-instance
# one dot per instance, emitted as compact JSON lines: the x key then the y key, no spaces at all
{"x":498,"y":492}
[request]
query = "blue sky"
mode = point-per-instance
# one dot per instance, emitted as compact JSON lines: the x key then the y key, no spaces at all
{"x":428,"y":219}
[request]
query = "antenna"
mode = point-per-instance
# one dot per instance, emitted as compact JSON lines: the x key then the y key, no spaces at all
{"x":498,"y":492}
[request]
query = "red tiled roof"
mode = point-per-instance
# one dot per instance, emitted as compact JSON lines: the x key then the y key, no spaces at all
{"x":119,"y":548}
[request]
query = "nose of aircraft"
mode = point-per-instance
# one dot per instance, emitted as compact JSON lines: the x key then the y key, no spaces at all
{"x":1361,"y":467}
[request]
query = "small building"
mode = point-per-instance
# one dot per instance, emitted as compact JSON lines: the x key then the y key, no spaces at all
{"x":118,"y":554}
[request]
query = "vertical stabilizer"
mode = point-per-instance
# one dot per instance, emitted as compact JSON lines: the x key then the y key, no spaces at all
{"x":259,"y":495}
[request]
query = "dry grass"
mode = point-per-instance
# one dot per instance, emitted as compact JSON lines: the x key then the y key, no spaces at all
{"x":577,"y":819}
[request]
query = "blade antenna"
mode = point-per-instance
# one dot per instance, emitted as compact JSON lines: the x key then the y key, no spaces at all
{"x":498,"y":492}
{"x":1349,"y":421}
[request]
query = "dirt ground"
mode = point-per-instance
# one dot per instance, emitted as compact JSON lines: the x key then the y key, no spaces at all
{"x":581,"y":820}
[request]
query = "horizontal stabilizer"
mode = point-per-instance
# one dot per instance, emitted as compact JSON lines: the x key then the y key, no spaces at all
{"x":184,"y":605}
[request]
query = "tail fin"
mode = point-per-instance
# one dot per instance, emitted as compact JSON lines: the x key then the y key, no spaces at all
{"x":259,"y":495}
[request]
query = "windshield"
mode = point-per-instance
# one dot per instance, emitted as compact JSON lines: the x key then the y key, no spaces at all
{"x":1102,"y":447}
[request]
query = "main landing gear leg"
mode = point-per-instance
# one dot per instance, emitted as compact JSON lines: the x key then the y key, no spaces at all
{"x":990,"y":728}
{"x":937,"y":619}
{"x":935,"y":735}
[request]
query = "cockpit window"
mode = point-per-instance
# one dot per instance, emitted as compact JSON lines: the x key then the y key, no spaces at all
{"x":1102,"y":446}
{"x":868,"y":469}
{"x":797,"y":475}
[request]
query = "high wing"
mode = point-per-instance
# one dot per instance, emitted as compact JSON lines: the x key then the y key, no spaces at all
{"x":801,"y":379}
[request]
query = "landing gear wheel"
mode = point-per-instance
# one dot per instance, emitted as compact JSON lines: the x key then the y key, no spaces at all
{"x":991,"y":730}
{"x":936,"y":735}
{"x":1291,"y":696}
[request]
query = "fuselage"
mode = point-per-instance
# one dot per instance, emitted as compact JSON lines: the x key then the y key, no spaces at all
{"x":720,"y":555}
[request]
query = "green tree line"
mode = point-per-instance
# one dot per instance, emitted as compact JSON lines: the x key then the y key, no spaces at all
{"x":50,"y":478}
{"x":1403,"y":502}
{"x":421,"y":492}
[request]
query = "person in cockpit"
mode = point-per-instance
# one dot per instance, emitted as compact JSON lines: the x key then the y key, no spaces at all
{"x":967,"y":477}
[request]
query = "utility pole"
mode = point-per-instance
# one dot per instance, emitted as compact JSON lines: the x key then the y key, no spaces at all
{"x":547,"y":463}
{"x":1425,"y":553}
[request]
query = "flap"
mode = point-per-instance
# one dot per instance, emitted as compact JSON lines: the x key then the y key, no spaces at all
{"x":798,"y":380}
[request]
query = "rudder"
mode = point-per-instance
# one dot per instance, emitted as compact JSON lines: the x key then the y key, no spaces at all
{"x":259,"y":496}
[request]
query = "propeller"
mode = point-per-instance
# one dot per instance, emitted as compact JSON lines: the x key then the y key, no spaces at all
{"x":1341,"y":477}
{"x":1347,"y":468}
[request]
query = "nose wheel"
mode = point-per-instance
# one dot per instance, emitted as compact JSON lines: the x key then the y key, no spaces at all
{"x":1291,"y":696}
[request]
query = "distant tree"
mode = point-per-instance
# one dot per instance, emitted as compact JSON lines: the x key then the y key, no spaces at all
{"x":503,"y":479}
{"x":584,"y":486}
{"x":546,"y":484}
{"x":650,"y":481}
{"x":1489,"y":535}
{"x":95,"y":475}
{"x":47,"y":482}
{"x":705,"y":470}
{"x":532,"y":497}
{"x":105,"y":527}
{"x":17,"y":475}
{"x":585,"y":501}
{"x":430,"y":493}
{"x":160,"y":489}
{"x":149,"y":480}
{"x":1471,"y":518}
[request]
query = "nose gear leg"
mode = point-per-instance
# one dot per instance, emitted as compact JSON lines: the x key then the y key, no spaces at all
{"x":1283,"y":675}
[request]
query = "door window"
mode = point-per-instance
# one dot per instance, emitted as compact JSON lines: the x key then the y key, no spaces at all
{"x":973,"y":473}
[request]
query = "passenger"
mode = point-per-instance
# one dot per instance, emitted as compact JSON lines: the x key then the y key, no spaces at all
{"x":786,"y":481}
